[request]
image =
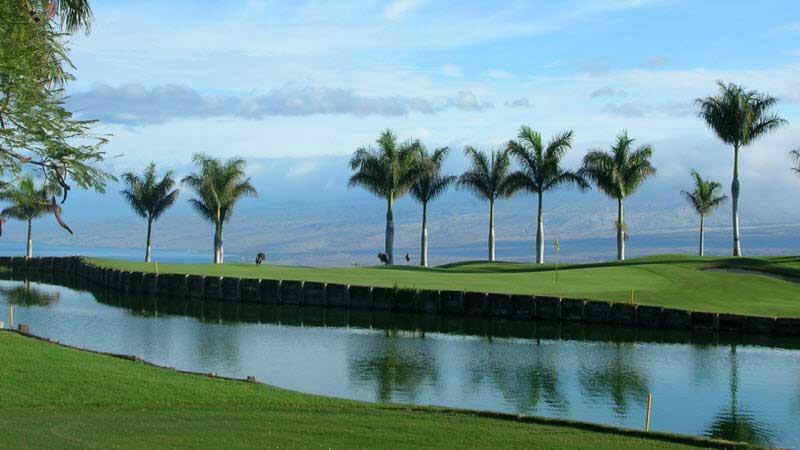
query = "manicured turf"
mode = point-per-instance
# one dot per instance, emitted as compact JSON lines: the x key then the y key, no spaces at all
{"x":671,"y":281}
{"x":59,"y":398}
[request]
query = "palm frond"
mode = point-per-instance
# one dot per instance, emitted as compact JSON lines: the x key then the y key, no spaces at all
{"x":75,"y":14}
{"x":27,"y":200}
{"x":148,"y":196}
{"x":429,"y":183}
{"x":738,"y":116}
{"x":539,"y":164}
{"x":559,"y":145}
{"x":487,"y":176}
{"x":521,"y":181}
{"x":599,"y":167}
{"x":763,"y":126}
{"x":618,"y":173}
{"x":389,"y":170}
{"x":704,"y":198}
{"x":569,"y":177}
{"x":165,"y":203}
{"x":203,"y":209}
{"x":795,"y":155}
{"x":218,"y":186}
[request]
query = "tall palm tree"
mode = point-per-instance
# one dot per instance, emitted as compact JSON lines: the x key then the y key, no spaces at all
{"x":541,"y":171}
{"x":487,"y":178}
{"x":218,"y":186}
{"x":149,"y":197}
{"x":795,"y":154}
{"x":618,"y":174}
{"x":27,"y":203}
{"x":389,"y":172}
{"x":738,"y":117}
{"x":704,"y":200}
{"x":429,"y":185}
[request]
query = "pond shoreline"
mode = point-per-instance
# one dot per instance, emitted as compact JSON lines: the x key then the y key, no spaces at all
{"x":697,"y":441}
{"x":458,"y":303}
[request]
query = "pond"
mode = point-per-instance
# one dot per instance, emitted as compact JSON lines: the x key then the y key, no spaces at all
{"x":726,"y":386}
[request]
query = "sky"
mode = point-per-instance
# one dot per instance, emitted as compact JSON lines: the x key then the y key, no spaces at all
{"x":299,"y":79}
{"x":290,"y":85}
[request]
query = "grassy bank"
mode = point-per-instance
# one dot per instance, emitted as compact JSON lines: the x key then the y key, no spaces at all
{"x":669,"y":281}
{"x":60,"y":398}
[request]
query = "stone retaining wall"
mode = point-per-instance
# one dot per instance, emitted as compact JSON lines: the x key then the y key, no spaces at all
{"x":430,"y":302}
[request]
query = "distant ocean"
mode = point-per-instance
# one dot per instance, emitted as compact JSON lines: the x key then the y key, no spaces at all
{"x":782,"y":242}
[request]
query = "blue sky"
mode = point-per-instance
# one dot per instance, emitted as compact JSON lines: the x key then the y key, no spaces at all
{"x":268,"y":79}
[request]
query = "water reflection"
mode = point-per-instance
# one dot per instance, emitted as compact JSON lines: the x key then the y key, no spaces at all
{"x":612,"y":372}
{"x":525,"y":375}
{"x":219,"y":345}
{"x":398,"y":366}
{"x":25,"y":293}
{"x":736,"y":423}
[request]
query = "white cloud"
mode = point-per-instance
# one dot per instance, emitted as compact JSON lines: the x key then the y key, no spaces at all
{"x":627,"y":109}
{"x":397,"y":9}
{"x":466,"y":100}
{"x":607,"y":91}
{"x":639,"y":109}
{"x":790,"y":27}
{"x":136,"y":105}
{"x":595,"y":67}
{"x":302,"y":169}
{"x":521,"y":102}
{"x":498,"y":74}
{"x":450,"y":70}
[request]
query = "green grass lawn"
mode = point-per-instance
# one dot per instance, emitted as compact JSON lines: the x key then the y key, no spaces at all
{"x":672,"y":280}
{"x":60,"y":398}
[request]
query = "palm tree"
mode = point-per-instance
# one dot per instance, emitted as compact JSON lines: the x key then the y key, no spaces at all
{"x":218,"y":186}
{"x":149,"y":197}
{"x":389,"y":172}
{"x":795,"y":154}
{"x":487,"y":178}
{"x":618,"y":174}
{"x":429,"y":185}
{"x":73,"y":14}
{"x":738,"y":117}
{"x":27,"y":203}
{"x":541,"y":171}
{"x":704,"y":200}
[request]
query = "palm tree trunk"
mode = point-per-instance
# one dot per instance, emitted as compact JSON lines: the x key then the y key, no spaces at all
{"x":389,"y":244}
{"x":221,"y":246}
{"x":148,"y":248}
{"x":29,"y":251}
{"x":540,"y":234}
{"x":491,"y":230}
{"x":737,"y":246}
{"x":702,"y":231}
{"x":620,"y":230}
{"x":216,"y":243}
{"x":424,"y":244}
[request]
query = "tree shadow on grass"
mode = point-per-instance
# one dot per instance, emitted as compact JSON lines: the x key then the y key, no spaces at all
{"x":776,"y":265}
{"x":478,"y":267}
